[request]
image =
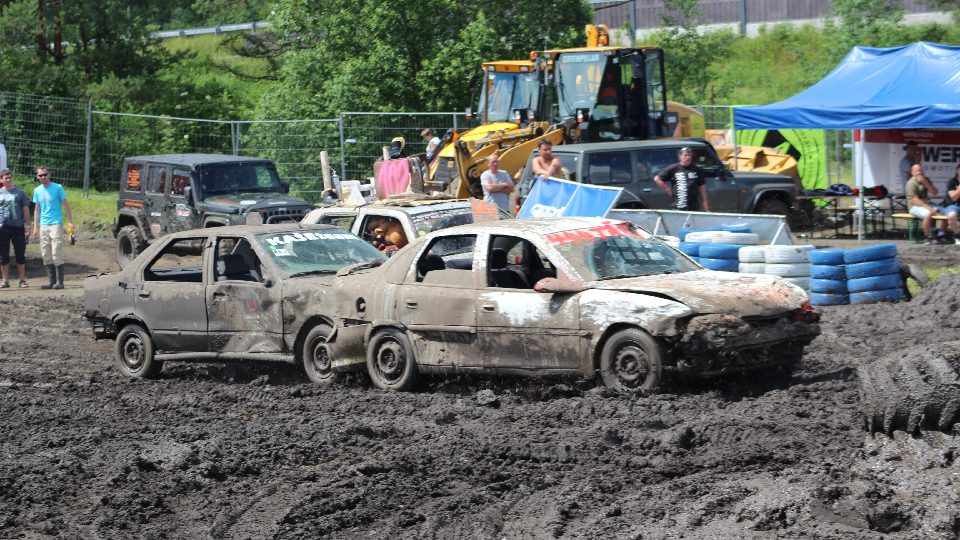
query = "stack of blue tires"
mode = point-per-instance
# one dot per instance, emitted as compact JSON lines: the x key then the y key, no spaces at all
{"x":873,"y":274}
{"x":828,"y":278}
{"x":692,"y":248}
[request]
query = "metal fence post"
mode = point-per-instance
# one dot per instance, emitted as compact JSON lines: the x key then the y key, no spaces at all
{"x":343,"y":152}
{"x":454,"y":115}
{"x":235,"y":137}
{"x":86,"y":156}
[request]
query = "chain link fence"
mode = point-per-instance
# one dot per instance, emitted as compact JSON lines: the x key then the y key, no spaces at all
{"x":38,"y":130}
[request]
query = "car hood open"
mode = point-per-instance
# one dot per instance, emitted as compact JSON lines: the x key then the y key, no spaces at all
{"x":707,"y":291}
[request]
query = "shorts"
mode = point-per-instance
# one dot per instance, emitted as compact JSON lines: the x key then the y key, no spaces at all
{"x":922,"y":212}
{"x":12,"y":235}
{"x":952,"y":209}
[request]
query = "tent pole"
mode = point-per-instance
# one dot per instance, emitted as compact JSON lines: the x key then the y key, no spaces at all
{"x":859,"y":182}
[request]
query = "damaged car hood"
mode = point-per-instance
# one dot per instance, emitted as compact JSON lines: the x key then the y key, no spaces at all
{"x":707,"y":291}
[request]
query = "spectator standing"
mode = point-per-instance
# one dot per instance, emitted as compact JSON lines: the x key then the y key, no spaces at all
{"x":918,"y":192}
{"x":951,"y":204}
{"x":910,"y":158}
{"x":48,"y":225}
{"x":496,"y":184}
{"x":433,"y":142}
{"x":685,"y":184}
{"x":14,"y":213}
{"x":546,"y":165}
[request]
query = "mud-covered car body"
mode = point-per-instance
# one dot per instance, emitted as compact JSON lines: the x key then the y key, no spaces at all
{"x":522,"y":297}
{"x":417,"y":218}
{"x":225,"y":293}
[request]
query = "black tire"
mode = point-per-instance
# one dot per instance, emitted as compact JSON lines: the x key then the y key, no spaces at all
{"x":772,"y":206}
{"x":390,"y":360}
{"x":917,"y":388}
{"x":129,"y":244}
{"x":632,"y":362}
{"x":315,"y":358}
{"x":134,"y":355}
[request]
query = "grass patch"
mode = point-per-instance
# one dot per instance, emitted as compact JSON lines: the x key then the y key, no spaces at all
{"x":934,"y":273}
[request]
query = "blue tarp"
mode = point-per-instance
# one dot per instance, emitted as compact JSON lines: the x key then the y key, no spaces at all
{"x":552,"y":197}
{"x":914,"y":86}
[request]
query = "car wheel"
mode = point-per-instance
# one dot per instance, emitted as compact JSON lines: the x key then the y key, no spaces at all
{"x":134,"y":353}
{"x":772,"y":206}
{"x":631,"y":361}
{"x":315,"y":359}
{"x":129,"y":244}
{"x":390,"y":360}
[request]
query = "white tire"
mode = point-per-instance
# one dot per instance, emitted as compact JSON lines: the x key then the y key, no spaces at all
{"x":787,"y":254}
{"x":753,"y":268}
{"x":723,"y":237}
{"x":753,"y":254}
{"x":802,"y":282}
{"x":788,"y":270}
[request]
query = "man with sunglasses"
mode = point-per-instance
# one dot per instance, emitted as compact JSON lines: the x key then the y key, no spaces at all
{"x":48,"y":225}
{"x":14,"y":213}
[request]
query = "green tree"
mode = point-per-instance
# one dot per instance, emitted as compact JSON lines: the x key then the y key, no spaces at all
{"x":873,"y":23}
{"x":404,"y":55}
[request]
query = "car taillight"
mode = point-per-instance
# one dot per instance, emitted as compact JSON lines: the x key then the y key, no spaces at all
{"x":806,"y":313}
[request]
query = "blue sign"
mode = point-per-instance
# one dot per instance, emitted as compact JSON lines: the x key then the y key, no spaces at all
{"x":552,"y":197}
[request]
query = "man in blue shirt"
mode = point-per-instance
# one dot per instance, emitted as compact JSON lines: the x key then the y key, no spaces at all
{"x":48,"y":225}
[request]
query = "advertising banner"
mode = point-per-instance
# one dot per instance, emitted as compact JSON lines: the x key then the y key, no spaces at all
{"x":553,"y":197}
{"x":884,"y":148}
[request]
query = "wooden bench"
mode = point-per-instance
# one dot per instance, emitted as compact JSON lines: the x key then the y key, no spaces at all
{"x":913,"y":222}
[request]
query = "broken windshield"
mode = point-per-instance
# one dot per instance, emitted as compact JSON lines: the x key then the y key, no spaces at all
{"x":310,"y":252}
{"x":617,"y":250}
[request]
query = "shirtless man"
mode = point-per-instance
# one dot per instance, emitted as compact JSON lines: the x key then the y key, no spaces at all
{"x":546,"y":165}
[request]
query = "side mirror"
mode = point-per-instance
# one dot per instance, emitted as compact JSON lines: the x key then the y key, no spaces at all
{"x":188,"y":194}
{"x":285,"y":187}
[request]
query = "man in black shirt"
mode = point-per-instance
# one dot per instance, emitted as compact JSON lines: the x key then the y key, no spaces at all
{"x":684,"y":183}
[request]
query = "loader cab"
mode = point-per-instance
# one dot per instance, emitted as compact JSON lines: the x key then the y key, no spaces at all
{"x":511,"y":92}
{"x":609,"y":93}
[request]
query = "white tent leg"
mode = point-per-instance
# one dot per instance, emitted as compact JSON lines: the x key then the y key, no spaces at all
{"x":859,"y":182}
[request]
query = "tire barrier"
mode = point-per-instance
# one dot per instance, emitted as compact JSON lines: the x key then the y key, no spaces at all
{"x":723,"y":265}
{"x":819,"y":271}
{"x":875,"y":283}
{"x":870,"y":253}
{"x":787,"y":254}
{"x":752,"y":268}
{"x":753,"y":254}
{"x":873,"y":268}
{"x":788,"y":269}
{"x":690,"y":248}
{"x":723,"y":237}
{"x":872,"y":297}
{"x":824,"y":299}
{"x":721,"y":251}
{"x":827,"y":257}
{"x":828,"y":286}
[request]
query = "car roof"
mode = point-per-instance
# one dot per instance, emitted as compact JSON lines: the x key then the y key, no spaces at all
{"x":625,"y":145}
{"x":194,"y":160}
{"x":252,"y":229}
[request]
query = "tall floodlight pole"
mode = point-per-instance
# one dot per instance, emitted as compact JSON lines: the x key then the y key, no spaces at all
{"x":743,"y":17}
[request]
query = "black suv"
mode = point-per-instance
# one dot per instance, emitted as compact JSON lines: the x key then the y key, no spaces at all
{"x":632,"y":165}
{"x":175,"y":192}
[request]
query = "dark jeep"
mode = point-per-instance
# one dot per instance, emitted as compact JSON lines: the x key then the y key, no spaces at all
{"x":176,"y":192}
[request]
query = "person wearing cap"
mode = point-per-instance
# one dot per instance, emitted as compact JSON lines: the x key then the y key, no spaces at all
{"x":910,"y":158}
{"x":433,"y":142}
{"x":685,"y":184}
{"x":14,"y":213}
{"x":48,"y":225}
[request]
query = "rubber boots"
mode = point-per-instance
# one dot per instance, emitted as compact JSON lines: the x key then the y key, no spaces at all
{"x":51,"y":276}
{"x":59,"y":284}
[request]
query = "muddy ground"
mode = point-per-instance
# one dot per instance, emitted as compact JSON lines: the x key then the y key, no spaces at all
{"x":212,"y":451}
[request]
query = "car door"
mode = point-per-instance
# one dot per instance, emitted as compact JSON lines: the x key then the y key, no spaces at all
{"x":518,"y":327}
{"x":183,"y":213}
{"x":649,"y":163}
{"x":157,"y":200}
{"x":722,"y":189}
{"x":437,"y":302}
{"x":171,"y":297}
{"x":244,"y":313}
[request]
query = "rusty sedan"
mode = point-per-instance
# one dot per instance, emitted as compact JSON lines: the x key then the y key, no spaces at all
{"x":226,"y":293}
{"x":562,"y":296}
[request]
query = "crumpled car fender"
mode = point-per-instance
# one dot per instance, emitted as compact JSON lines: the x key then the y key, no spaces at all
{"x":657,"y":315}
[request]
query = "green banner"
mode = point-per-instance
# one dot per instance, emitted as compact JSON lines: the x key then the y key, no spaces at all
{"x":807,"y":146}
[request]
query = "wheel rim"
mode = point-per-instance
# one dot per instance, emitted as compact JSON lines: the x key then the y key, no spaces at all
{"x":391,"y":360}
{"x":320,"y":358}
{"x":631,"y":366}
{"x":133,"y":353}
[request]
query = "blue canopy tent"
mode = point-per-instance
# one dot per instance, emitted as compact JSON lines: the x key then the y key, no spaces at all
{"x":914,"y":86}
